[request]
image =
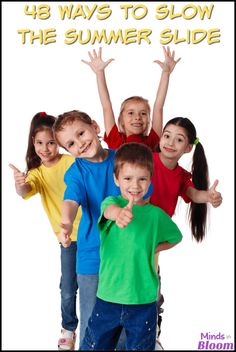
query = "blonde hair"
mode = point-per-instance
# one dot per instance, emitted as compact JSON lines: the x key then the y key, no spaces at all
{"x":138,"y":99}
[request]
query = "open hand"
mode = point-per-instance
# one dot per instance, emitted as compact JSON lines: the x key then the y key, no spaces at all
{"x":169,"y":63}
{"x":97,"y":64}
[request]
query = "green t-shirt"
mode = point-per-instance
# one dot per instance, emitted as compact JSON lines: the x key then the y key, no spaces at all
{"x":127,"y":274}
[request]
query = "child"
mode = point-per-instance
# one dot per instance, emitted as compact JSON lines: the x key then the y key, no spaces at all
{"x":134,"y":118}
{"x":171,"y":181}
{"x":89,"y":180}
{"x":131,"y":231}
{"x":45,"y":174}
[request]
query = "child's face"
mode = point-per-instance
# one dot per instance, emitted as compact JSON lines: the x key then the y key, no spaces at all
{"x":174,"y":142}
{"x":135,"y":118}
{"x":133,"y":181}
{"x":46,"y":147}
{"x":81,"y":140}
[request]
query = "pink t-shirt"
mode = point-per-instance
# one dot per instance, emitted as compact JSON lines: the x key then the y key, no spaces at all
{"x":116,"y":138}
{"x":168,"y":185}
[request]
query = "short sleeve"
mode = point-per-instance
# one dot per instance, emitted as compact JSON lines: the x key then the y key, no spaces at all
{"x":33,"y":181}
{"x":168,"y":231}
{"x":75,"y":189}
{"x":186,"y":182}
{"x":103,"y":223}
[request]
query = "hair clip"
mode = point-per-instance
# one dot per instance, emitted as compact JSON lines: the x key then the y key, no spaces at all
{"x":42,"y":114}
{"x":196,"y":141}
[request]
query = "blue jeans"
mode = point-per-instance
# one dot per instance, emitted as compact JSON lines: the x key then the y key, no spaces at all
{"x":108,"y":319}
{"x":68,"y":286}
{"x":88,"y":285}
{"x":87,"y":297}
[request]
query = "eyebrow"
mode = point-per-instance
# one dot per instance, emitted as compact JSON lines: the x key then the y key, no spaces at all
{"x":178,"y":134}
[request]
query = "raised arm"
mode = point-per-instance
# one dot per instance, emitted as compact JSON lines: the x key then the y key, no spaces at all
{"x":22,"y":187}
{"x":167,"y":66}
{"x":98,"y":66}
{"x":69,"y":210}
{"x":211,"y":196}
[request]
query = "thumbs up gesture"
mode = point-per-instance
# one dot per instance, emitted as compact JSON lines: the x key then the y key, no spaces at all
{"x":215,"y":197}
{"x":18,"y":176}
{"x":125,"y":215}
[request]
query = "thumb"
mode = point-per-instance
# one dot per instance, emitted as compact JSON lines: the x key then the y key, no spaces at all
{"x":130,"y":204}
{"x":14,"y":168}
{"x":215,"y":184}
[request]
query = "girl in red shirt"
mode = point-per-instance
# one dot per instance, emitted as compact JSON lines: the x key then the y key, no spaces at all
{"x":134,"y":117}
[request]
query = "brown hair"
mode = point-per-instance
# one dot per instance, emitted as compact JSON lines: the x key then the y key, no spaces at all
{"x":40,"y":122}
{"x":133,"y":153}
{"x":68,"y":118}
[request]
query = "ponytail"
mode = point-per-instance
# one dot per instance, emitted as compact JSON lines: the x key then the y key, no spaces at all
{"x":197,"y":214}
{"x":198,"y":211}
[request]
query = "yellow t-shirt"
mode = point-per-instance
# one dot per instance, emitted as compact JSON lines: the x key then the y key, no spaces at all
{"x":49,"y":183}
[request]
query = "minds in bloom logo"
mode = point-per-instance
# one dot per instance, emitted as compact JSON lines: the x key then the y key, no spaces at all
{"x":217,"y":342}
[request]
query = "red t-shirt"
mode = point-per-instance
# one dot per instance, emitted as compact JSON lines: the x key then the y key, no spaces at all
{"x":116,"y":138}
{"x":168,"y":185}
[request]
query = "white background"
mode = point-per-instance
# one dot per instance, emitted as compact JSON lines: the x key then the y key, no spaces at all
{"x":197,"y":279}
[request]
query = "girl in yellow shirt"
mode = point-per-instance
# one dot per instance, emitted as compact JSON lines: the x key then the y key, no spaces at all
{"x":45,"y":175}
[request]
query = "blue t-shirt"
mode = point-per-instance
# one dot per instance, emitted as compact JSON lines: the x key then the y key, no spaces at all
{"x":88,"y":183}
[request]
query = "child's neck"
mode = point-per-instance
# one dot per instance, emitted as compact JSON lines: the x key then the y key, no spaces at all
{"x":100,"y":156}
{"x":53,"y":162}
{"x":169,"y":163}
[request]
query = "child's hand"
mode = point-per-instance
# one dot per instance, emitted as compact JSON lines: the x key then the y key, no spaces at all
{"x":64,"y":235}
{"x":96,"y":63}
{"x":169,"y":64}
{"x":18,"y":176}
{"x":214,"y":197}
{"x":125,"y":216}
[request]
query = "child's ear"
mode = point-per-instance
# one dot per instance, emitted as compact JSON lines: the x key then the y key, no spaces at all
{"x":116,"y":181}
{"x":189,"y":148}
{"x":96,"y":127}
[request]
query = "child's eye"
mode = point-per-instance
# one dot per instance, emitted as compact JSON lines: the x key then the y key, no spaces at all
{"x":70,"y":144}
{"x":166,"y":136}
{"x":81,"y":133}
{"x":127,"y":178}
{"x":180,"y":140}
{"x":130,"y":113}
{"x":52,"y":143}
{"x":39,"y":143}
{"x":144,"y":113}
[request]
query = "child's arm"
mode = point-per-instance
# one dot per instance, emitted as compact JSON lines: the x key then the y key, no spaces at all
{"x":122,"y":216}
{"x":68,"y":213}
{"x":98,"y":66}
{"x":22,"y":187}
{"x":164,"y":246}
{"x":167,"y":67}
{"x":210,"y":196}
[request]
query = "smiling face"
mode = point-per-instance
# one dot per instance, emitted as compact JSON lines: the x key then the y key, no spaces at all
{"x":133,"y":181}
{"x":134,"y":118}
{"x":81,"y":140}
{"x":174,"y":142}
{"x":46,"y":147}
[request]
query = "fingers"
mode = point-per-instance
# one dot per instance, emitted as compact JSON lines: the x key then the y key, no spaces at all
{"x":215,"y":184}
{"x":14,"y":168}
{"x":86,"y":62}
{"x":130,"y":204}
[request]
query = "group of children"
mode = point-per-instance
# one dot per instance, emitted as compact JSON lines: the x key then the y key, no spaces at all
{"x":111,"y":209}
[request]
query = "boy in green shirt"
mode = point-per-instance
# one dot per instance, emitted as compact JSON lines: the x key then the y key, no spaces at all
{"x":131,"y":232}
